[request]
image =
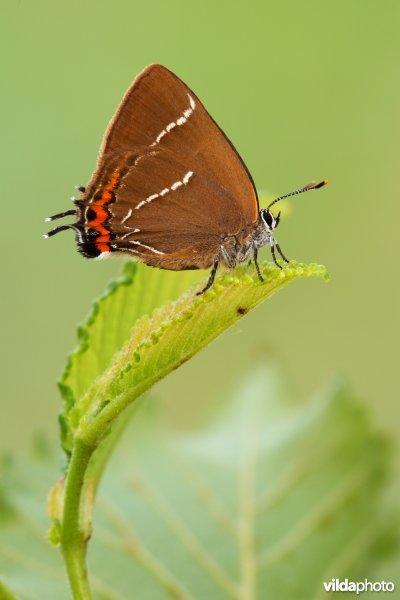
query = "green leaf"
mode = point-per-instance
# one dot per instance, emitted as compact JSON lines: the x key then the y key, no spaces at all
{"x":158,"y":343}
{"x":111,"y":320}
{"x":266,"y":500}
{"x":139,"y":291}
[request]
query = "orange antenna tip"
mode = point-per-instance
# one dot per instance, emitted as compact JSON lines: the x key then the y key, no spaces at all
{"x":320,"y":184}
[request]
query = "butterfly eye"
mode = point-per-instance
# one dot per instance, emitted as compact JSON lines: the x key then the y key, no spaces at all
{"x":268,"y":218}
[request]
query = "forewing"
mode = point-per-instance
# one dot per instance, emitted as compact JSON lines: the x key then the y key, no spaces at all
{"x":159,"y":112}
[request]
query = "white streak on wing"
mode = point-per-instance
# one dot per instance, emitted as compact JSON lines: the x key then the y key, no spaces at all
{"x":180,"y":121}
{"x":130,"y":250}
{"x":160,"y":135}
{"x":129,"y":233}
{"x":118,"y":249}
{"x":173,"y":187}
{"x":139,"y":158}
{"x":129,"y":214}
{"x":148,"y":199}
{"x":187,"y":177}
{"x":145,"y":246}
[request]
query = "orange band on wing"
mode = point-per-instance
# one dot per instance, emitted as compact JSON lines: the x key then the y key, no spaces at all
{"x":101,"y":214}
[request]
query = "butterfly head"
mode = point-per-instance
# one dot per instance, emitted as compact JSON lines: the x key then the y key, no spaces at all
{"x":270,"y":222}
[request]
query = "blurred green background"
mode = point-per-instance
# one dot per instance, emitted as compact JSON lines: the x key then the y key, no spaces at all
{"x":304,"y":90}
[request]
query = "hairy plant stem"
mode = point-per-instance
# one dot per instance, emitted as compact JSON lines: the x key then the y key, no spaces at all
{"x":73,"y":542}
{"x":93,"y":444}
{"x":84,"y":474}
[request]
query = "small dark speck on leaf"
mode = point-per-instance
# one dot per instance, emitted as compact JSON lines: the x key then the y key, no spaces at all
{"x":241,"y":310}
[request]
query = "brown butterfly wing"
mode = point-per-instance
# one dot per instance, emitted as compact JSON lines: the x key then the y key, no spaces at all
{"x":158,"y":100}
{"x":184,"y":186}
{"x":161,"y":215}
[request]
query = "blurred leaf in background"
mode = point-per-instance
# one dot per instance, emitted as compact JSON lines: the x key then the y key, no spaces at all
{"x":267,"y":499}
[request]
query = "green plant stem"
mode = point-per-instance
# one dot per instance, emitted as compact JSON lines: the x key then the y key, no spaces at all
{"x":73,"y":540}
{"x":93,"y":431}
{"x":104,"y":450}
{"x":83,"y":470}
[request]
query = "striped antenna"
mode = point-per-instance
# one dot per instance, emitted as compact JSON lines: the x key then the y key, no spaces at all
{"x":311,"y":186}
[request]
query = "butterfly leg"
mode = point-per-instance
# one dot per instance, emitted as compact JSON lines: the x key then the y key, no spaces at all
{"x":274,"y":257}
{"x":212,"y":276}
{"x":281,"y":253}
{"x":255,"y":254}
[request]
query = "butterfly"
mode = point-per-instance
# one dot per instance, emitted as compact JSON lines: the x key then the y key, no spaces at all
{"x":170,"y":189}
